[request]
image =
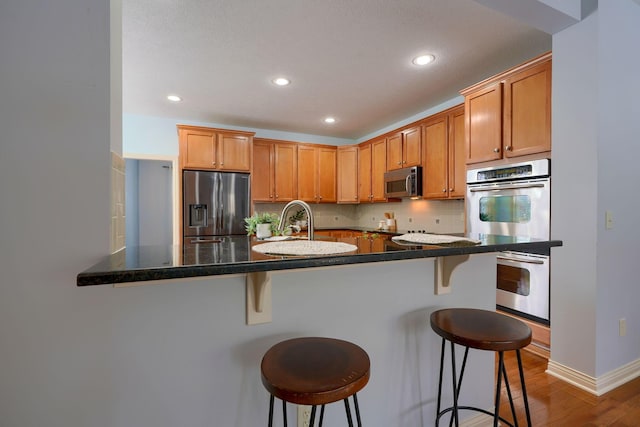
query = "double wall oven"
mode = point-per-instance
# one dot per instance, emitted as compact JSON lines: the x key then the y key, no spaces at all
{"x":515,"y":200}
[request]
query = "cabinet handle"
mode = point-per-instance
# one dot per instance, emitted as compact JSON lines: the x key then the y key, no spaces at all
{"x":496,"y":150}
{"x":508,"y":148}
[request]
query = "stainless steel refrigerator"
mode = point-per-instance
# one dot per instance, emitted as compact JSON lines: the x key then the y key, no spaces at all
{"x":214,"y":203}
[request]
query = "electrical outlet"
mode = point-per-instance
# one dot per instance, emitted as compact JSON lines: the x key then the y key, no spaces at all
{"x":437,"y":220}
{"x":304,"y":415}
{"x":410,"y":220}
{"x":623,"y":327}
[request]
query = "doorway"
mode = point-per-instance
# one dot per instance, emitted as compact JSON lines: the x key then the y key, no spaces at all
{"x":151,"y":208}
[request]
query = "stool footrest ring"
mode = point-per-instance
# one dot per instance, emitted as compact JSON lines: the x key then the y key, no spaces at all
{"x":471,"y":408}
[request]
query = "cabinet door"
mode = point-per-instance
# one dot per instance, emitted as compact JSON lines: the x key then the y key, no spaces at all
{"x":307,"y":173}
{"x":262,"y":175}
{"x":348,"y":174}
{"x":234,"y":152}
{"x":198,"y":149}
{"x":378,"y":168}
{"x":326,"y":185}
{"x":457,"y":166}
{"x":527,"y":111}
{"x":364,"y":173}
{"x":483,"y":111}
{"x":285,"y":172}
{"x":394,"y":152}
{"x":412,"y":147}
{"x":436,"y":159}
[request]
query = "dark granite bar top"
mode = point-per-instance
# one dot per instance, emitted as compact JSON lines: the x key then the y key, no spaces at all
{"x":233,"y":255}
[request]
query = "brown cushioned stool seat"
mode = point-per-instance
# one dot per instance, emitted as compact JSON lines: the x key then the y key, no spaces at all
{"x":315,"y":371}
{"x":482,"y":330}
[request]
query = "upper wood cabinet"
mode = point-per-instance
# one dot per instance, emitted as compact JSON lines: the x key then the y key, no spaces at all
{"x":214,"y":149}
{"x":404,"y":149}
{"x":372,"y":164}
{"x":317,"y":173}
{"x":274,"y":174}
{"x":509,"y":115}
{"x":444,"y":161}
{"x":348,"y":174}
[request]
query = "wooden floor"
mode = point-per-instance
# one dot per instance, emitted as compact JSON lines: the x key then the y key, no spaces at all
{"x":554,"y":402}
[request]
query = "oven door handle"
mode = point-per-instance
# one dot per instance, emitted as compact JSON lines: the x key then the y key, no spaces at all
{"x":518,"y":259}
{"x":506,"y":187}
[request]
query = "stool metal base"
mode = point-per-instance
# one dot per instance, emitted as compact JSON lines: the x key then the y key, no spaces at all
{"x":347,"y":409}
{"x":457,"y":383}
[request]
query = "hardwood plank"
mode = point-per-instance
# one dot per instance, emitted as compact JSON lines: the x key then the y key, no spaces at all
{"x":554,"y":402}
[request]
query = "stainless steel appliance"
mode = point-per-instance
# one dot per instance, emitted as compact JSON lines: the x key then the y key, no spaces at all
{"x":214,"y":204}
{"x":405,"y":182}
{"x":515,"y":200}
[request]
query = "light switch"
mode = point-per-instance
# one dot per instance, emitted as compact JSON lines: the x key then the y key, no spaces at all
{"x":608,"y":220}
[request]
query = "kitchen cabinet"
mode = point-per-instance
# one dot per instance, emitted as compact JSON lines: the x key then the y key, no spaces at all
{"x":274,"y":174}
{"x":317,"y":173}
{"x":372,"y":164}
{"x":444,"y":161}
{"x":348,"y":174}
{"x":214,"y":149}
{"x":509,"y":115}
{"x":404,"y":149}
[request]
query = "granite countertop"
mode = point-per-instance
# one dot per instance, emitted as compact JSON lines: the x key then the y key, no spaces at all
{"x":233,"y":255}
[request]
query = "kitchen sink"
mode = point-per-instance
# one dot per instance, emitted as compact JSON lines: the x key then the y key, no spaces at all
{"x":304,"y":248}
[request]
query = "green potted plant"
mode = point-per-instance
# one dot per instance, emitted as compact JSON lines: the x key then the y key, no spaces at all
{"x":262,"y":224}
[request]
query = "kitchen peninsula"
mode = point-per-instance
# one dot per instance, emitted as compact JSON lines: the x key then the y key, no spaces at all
{"x":233,"y":255}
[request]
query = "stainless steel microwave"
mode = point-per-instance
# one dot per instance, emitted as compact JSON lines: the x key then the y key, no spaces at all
{"x":405,"y":182}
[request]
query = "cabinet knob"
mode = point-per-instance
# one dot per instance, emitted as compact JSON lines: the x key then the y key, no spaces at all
{"x":213,"y":163}
{"x":496,"y":150}
{"x":508,"y":148}
{"x":277,"y":196}
{"x":444,"y":190}
{"x":399,"y":163}
{"x":451,"y":190}
{"x":221,"y":163}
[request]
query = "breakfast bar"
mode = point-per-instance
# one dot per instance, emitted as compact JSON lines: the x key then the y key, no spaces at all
{"x":233,"y":255}
{"x":379,"y":296}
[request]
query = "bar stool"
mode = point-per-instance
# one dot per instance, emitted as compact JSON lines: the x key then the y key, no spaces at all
{"x":483,"y":330}
{"x":315,"y":371}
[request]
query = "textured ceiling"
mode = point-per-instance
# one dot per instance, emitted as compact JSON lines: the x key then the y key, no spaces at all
{"x":347,"y":58}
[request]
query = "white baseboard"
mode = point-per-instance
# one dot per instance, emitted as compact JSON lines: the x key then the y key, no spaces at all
{"x":597,"y":386}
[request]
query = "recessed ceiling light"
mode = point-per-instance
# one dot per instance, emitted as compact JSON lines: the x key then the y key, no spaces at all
{"x":281,"y":81}
{"x":174,"y":98}
{"x":330,"y":120}
{"x":423,"y":59}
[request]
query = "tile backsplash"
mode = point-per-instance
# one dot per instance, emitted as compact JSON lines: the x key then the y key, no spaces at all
{"x":437,"y":216}
{"x":117,"y":203}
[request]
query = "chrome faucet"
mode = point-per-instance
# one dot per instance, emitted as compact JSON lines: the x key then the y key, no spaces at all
{"x":307,"y":210}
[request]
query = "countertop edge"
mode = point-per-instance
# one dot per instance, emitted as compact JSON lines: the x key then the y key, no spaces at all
{"x":93,"y":278}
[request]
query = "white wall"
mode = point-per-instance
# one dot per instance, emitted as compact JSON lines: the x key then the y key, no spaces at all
{"x":595,"y":152}
{"x":618,"y":154}
{"x":56,"y":357}
{"x":574,"y":169}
